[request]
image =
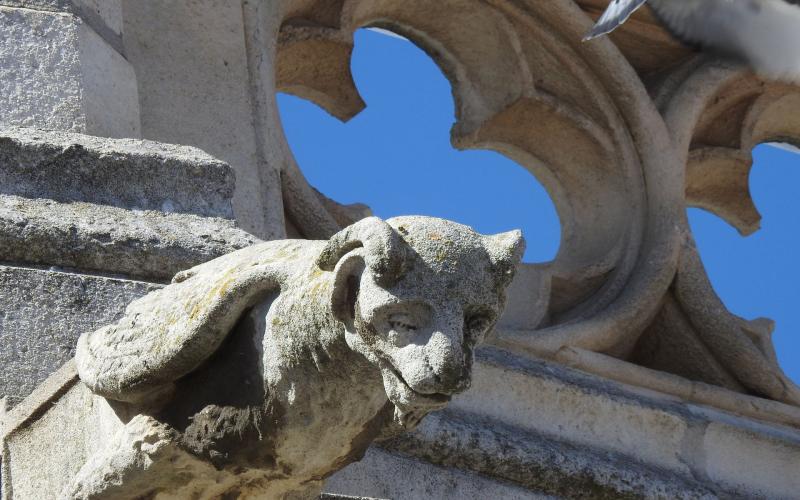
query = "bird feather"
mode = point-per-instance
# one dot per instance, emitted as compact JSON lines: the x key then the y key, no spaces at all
{"x":763,"y":33}
{"x":618,"y":12}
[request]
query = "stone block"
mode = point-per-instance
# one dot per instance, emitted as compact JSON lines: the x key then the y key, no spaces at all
{"x":57,"y":72}
{"x":42,"y":312}
{"x":139,"y":244}
{"x":125,"y":173}
{"x":104,"y":16}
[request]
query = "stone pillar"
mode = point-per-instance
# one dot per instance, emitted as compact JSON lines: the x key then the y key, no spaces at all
{"x":62,"y":67}
{"x":191,"y":62}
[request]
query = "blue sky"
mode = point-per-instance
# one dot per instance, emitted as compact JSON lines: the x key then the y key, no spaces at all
{"x":396,"y":157}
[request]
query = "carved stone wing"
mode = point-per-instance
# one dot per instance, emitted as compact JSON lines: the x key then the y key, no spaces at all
{"x":170,"y":332}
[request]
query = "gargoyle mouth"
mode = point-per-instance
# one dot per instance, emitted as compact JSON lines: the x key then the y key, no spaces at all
{"x":404,"y":397}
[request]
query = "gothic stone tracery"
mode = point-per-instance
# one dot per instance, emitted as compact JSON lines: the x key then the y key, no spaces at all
{"x":624,"y":139}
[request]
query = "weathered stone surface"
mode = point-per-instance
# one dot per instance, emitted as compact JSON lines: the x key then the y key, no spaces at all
{"x":331,"y":496}
{"x":653,"y":429}
{"x":42,"y":312}
{"x":150,"y":245}
{"x":400,"y":477}
{"x":539,"y":463}
{"x":57,"y":72}
{"x":125,"y":173}
{"x":117,"y":207}
{"x":103,"y":16}
{"x":349,"y":339}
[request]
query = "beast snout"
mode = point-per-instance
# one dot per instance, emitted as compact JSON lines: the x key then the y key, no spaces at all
{"x":441,"y":366}
{"x":452,"y":377}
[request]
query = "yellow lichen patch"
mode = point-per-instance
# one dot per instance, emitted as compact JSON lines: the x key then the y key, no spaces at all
{"x":217,"y":291}
{"x":320,"y":287}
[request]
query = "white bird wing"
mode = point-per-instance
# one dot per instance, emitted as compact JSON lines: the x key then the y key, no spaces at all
{"x":617,"y":12}
{"x":170,"y":332}
{"x":764,"y":33}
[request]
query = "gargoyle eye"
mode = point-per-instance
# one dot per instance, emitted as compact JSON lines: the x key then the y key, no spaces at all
{"x":402,"y":323}
{"x":476,"y":323}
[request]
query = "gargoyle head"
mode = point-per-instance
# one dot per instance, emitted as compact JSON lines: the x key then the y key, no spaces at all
{"x":416,"y":295}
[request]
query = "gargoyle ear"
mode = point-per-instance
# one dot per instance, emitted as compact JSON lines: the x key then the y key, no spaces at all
{"x":346,"y":283}
{"x":505,"y":250}
{"x":384,"y":251}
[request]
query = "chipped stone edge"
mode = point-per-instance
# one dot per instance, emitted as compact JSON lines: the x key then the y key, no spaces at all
{"x":37,"y":403}
{"x":29,"y":409}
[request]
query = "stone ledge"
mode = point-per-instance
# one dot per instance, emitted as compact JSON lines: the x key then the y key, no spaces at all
{"x":140,"y":244}
{"x":605,"y":441}
{"x":750,"y":457}
{"x":539,"y":463}
{"x":127,"y":173}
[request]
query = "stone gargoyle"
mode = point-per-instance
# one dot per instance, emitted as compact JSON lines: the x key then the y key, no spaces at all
{"x":262,"y":372}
